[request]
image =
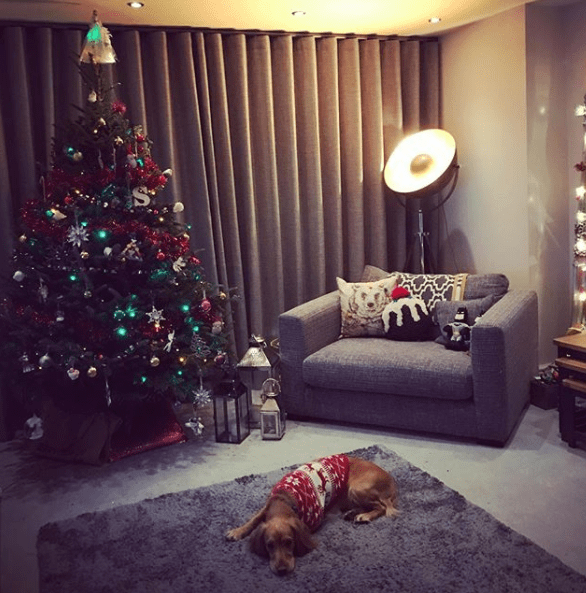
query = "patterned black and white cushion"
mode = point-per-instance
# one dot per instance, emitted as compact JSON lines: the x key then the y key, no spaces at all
{"x":452,"y":287}
{"x":432,"y":288}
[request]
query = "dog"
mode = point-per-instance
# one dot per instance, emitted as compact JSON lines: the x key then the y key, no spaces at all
{"x":281,"y":530}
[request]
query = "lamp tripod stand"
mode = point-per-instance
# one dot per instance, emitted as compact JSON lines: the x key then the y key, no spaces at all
{"x":420,"y":239}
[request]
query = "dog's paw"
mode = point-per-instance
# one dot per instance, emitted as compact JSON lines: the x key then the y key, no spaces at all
{"x":233,"y":535}
{"x":350,"y":515}
{"x":362,"y":518}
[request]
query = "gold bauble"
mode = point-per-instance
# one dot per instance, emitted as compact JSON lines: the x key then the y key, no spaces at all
{"x":155,"y":361}
{"x":92,"y":372}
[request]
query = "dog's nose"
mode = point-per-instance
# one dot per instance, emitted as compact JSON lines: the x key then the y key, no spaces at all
{"x":282,"y":570}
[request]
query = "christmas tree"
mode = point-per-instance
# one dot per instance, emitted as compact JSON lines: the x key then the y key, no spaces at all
{"x":105,"y":288}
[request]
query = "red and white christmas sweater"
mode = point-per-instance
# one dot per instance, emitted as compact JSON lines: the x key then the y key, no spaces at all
{"x":315,"y":486}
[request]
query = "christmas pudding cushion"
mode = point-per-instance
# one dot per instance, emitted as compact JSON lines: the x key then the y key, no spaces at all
{"x":406,"y":318}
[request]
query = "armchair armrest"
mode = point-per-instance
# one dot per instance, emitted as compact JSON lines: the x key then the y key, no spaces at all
{"x":304,"y":330}
{"x":503,"y":348}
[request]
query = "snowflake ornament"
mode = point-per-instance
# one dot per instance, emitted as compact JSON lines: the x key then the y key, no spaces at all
{"x":77,"y":235}
{"x":156,"y":316}
{"x":202,"y":396}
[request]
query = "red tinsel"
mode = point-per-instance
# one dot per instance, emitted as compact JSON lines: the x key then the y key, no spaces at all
{"x":156,"y":181}
{"x":37,"y":317}
{"x":33,"y":216}
{"x":118,"y":107}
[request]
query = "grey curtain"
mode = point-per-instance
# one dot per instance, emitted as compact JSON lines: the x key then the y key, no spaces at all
{"x":277,"y":143}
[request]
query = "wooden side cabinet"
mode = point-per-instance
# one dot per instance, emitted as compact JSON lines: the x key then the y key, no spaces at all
{"x":571,"y":362}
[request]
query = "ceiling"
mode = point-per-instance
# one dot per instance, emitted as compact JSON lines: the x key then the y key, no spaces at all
{"x":383,"y":17}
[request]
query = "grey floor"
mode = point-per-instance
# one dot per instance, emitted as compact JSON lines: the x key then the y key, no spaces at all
{"x":536,"y":484}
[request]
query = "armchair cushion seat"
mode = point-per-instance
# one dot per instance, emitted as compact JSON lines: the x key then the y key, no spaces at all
{"x":417,"y":369}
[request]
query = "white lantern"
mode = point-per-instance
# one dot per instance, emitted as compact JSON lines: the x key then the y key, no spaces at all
{"x":272,"y":417}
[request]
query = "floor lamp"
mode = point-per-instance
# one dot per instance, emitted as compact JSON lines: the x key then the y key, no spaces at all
{"x":422,"y":166}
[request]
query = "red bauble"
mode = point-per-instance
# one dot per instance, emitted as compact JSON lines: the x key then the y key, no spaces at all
{"x":160,"y":256}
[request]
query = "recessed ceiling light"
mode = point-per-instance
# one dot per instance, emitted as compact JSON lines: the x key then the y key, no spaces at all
{"x":299,"y":13}
{"x":434,"y":20}
{"x":135,"y":4}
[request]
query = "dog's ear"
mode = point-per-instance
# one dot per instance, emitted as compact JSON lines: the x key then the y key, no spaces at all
{"x":303,"y":541}
{"x":257,"y":541}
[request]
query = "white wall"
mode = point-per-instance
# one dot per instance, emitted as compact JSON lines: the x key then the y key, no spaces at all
{"x":483,"y":106}
{"x":505,"y":99}
{"x":549,"y":196}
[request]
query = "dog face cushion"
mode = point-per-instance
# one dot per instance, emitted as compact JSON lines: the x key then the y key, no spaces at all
{"x":406,"y":318}
{"x":362,"y":305}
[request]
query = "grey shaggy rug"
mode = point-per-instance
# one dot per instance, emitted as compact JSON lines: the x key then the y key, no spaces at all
{"x":175,"y":543}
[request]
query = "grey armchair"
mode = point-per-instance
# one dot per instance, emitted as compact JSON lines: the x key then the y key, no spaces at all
{"x":416,"y":386}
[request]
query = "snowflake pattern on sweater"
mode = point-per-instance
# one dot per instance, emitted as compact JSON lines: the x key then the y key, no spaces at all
{"x":315,"y":486}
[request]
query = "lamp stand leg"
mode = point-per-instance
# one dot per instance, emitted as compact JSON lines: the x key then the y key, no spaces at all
{"x":421,"y":238}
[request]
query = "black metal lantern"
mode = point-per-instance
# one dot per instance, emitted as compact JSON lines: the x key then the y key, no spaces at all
{"x":231,"y":412}
{"x":258,"y":364}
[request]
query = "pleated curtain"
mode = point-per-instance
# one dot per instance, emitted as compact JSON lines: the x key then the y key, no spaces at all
{"x":277,"y":143}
